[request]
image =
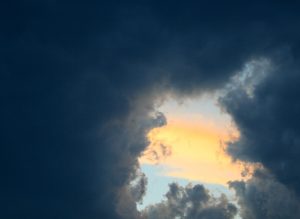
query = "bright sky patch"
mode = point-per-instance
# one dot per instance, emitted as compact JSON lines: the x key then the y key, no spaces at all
{"x":191,"y":145}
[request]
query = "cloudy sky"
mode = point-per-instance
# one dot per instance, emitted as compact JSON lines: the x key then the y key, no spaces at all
{"x":100,"y":97}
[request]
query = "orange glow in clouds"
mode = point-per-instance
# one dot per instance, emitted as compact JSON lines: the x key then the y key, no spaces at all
{"x":192,"y":149}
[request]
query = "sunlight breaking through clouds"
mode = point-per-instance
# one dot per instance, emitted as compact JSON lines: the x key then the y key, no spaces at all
{"x":192,"y":144}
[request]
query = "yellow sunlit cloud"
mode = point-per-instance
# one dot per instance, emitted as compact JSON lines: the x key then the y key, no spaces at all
{"x":193,"y":149}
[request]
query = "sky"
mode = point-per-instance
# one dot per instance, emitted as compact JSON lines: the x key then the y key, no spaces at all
{"x":192,"y":139}
{"x":89,"y":115}
{"x":158,"y":184}
{"x":193,"y":149}
{"x":194,"y":142}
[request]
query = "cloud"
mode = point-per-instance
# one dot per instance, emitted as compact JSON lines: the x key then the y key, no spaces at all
{"x":79,"y":81}
{"x":131,"y":194}
{"x":268,"y":120}
{"x":264,"y":197}
{"x":190,"y":202}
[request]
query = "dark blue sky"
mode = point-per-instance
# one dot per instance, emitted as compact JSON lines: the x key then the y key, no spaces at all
{"x":78,"y":80}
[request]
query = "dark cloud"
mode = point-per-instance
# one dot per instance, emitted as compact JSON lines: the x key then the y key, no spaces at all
{"x":265,"y":108}
{"x":268,"y":119}
{"x":190,"y":202}
{"x":131,"y":194}
{"x":264,"y":197}
{"x":79,"y":81}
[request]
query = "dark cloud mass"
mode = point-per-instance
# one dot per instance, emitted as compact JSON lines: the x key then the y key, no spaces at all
{"x":79,"y":80}
{"x":269,"y":120}
{"x":264,"y":197}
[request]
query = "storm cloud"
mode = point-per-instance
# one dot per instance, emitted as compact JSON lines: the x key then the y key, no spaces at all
{"x":268,"y":119}
{"x":79,"y":82}
{"x":264,"y":197}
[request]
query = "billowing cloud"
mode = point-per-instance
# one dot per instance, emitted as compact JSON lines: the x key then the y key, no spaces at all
{"x":264,"y":197}
{"x":190,"y":202}
{"x":79,"y":80}
{"x":268,"y":120}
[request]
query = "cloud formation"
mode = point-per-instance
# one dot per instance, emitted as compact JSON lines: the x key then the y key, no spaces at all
{"x":264,"y":197}
{"x":190,"y":202}
{"x":268,"y":120}
{"x":79,"y":81}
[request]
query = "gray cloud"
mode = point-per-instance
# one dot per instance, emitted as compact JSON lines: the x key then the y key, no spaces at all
{"x":268,"y":120}
{"x":190,"y":202}
{"x":264,"y":197}
{"x":79,"y":81}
